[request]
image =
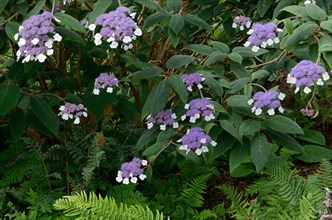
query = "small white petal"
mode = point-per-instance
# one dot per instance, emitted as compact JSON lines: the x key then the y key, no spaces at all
{"x":96,"y":91}
{"x":250,"y":101}
{"x":77,"y":121}
{"x":97,"y":42}
{"x":205,"y":149}
{"x":197,"y":115}
{"x":138,"y":32}
{"x":133,"y":180}
{"x":175,"y":125}
{"x":163,"y":127}
{"x":248,"y":24}
{"x":20,"y":28}
{"x":132,"y":15}
{"x":258,"y":111}
{"x":213,"y":143}
{"x":183,"y":117}
{"x":98,"y":36}
{"x":50,"y":52}
{"x":297,"y":89}
{"x":173,"y":116}
{"x":198,"y":151}
{"x":276,"y":40}
{"x":41,"y":58}
{"x":326,"y":76}
{"x":271,"y":111}
{"x":126,"y":181}
{"x":65,"y":117}
{"x":186,"y":106}
{"x":192,"y":119}
{"x":21,"y":42}
{"x":127,"y":39}
{"x":199,"y":86}
{"x":203,"y":141}
{"x":241,"y":28}
{"x":114,"y":44}
{"x":49,"y":43}
{"x":144,"y":162}
{"x":142,"y":176}
{"x":247,"y":44}
{"x":269,"y":42}
{"x":250,"y":31}
{"x":35,"y":41}
{"x":234,"y":25}
{"x":281,"y":96}
{"x":109,"y":90}
{"x":306,"y":90}
{"x":16,"y":36}
{"x":189,"y":88}
{"x":92,"y":27}
{"x":119,"y":179}
{"x":281,"y":110}
{"x":183,"y":147}
{"x":57,"y":37}
{"x":255,"y":48}
{"x":264,"y":44}
{"x":150,"y":125}
{"x":320,"y":82}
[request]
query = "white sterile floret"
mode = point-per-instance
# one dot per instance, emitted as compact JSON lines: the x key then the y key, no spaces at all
{"x":125,"y":181}
{"x":16,"y":36}
{"x":186,"y":106}
{"x":57,"y":37}
{"x":142,"y":176}
{"x":306,"y":90}
{"x":50,"y":52}
{"x":199,"y":86}
{"x":247,"y":44}
{"x":198,"y":151}
{"x":35,"y":41}
{"x":205,"y":149}
{"x":326,"y":76}
{"x":271,"y":111}
{"x":258,"y":111}
{"x":175,"y":125}
{"x":92,"y":27}
{"x":96,"y":91}
{"x":133,"y":180}
{"x":114,"y":44}
{"x":150,"y":125}
{"x":49,"y":43}
{"x":173,"y":116}
{"x":203,"y":141}
{"x":264,"y":44}
{"x":280,"y":109}
{"x":144,"y":162}
{"x":41,"y":58}
{"x":320,"y":82}
{"x":127,"y":39}
{"x":109,"y":90}
{"x":269,"y":42}
{"x":77,"y":121}
{"x":255,"y":48}
{"x":21,"y":42}
{"x":183,"y":117}
{"x":138,"y":32}
{"x":281,"y":96}
{"x":290,"y":79}
{"x":276,"y":40}
{"x":213,"y":143}
{"x":163,"y":127}
{"x":250,"y":101}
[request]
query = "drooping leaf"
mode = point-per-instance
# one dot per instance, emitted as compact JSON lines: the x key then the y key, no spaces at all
{"x":70,"y":22}
{"x":200,"y":49}
{"x":176,"y":23}
{"x":315,"y":12}
{"x":263,"y":6}
{"x":300,"y":34}
{"x":249,"y":127}
{"x":178,"y":86}
{"x":247,"y":52}
{"x":178,"y":61}
{"x":224,"y":48}
{"x":45,"y":114}
{"x":315,"y":154}
{"x":3,"y":4}
{"x":284,"y":125}
{"x":260,"y":151}
{"x":11,"y":29}
{"x":9,"y":96}
{"x":235,"y":57}
{"x":284,"y":140}
{"x":147,"y":73}
{"x":174,"y":5}
{"x":327,"y":25}
{"x":153,"y":149}
{"x":195,"y":20}
{"x":229,"y":127}
{"x":296,"y":10}
{"x":238,"y":159}
{"x":313,"y":136}
{"x":148,"y":136}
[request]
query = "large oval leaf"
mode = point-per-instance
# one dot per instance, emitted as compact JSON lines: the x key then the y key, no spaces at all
{"x":177,"y":61}
{"x":260,"y":151}
{"x":70,"y":22}
{"x":9,"y":96}
{"x":284,"y":125}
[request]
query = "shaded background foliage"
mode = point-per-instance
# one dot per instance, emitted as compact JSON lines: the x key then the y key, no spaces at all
{"x":43,"y":157}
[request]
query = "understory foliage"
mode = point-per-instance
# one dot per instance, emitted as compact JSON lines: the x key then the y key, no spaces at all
{"x":133,"y":108}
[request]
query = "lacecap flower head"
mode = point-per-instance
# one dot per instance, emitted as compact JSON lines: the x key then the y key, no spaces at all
{"x":131,"y":170}
{"x":196,"y":140}
{"x":105,"y":81}
{"x":199,"y":108}
{"x":262,"y":35}
{"x":306,"y":73}
{"x":163,"y":118}
{"x":193,"y":79}
{"x":117,"y":27}
{"x":72,"y":111}
{"x":266,"y":100}
{"x":241,"y":21}
{"x":35,"y":38}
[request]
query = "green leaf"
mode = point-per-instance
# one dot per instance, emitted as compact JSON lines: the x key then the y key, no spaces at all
{"x":190,"y":155}
{"x":166,"y":135}
{"x":313,"y":136}
{"x":70,"y":35}
{"x":235,"y":57}
{"x":153,"y":150}
{"x":12,"y":29}
{"x":315,"y":154}
{"x":38,"y":7}
{"x":176,"y":23}
{"x":154,"y":19}
{"x":215,"y":86}
{"x":97,"y":103}
{"x":178,"y":86}
{"x":157,"y":99}
{"x":289,"y":26}
{"x":99,"y":8}
{"x":296,"y":10}
{"x":17,"y":122}
{"x":9,"y":96}
{"x":238,"y":84}
{"x":70,"y":22}
{"x":325,"y":43}
{"x":3,"y":4}
{"x":327,"y":25}
{"x":260,"y":74}
{"x":263,"y":6}
{"x":239,"y":71}
{"x":174,"y":38}
{"x":300,"y":34}
{"x":229,"y":127}
{"x":174,"y":5}
{"x":238,"y":101}
{"x":315,"y":12}
{"x":45,"y":114}
{"x":220,"y":46}
{"x":285,"y":140}
{"x":148,"y":136}
{"x":216,"y":56}
{"x":237,"y":159}
{"x":195,"y":20}
{"x":200,"y":49}
{"x":249,"y":127}
{"x":328,"y":58}
{"x":147,"y":73}
{"x":260,"y":151}
{"x":247,"y":52}
{"x":178,"y":61}
{"x":284,"y":125}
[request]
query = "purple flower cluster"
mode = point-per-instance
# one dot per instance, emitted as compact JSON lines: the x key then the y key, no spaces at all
{"x":270,"y":100}
{"x":35,"y":38}
{"x":262,"y":35}
{"x":241,"y":21}
{"x":306,"y":73}
{"x":196,"y":140}
{"x":163,"y":118}
{"x":71,"y":111}
{"x":193,"y":79}
{"x":307,"y":112}
{"x":197,"y":108}
{"x":104,"y":81}
{"x":116,"y":27}
{"x":131,"y":170}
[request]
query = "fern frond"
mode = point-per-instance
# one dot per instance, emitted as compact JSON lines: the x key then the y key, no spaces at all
{"x":192,"y":193}
{"x":87,"y":207}
{"x":324,"y":175}
{"x":206,"y":214}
